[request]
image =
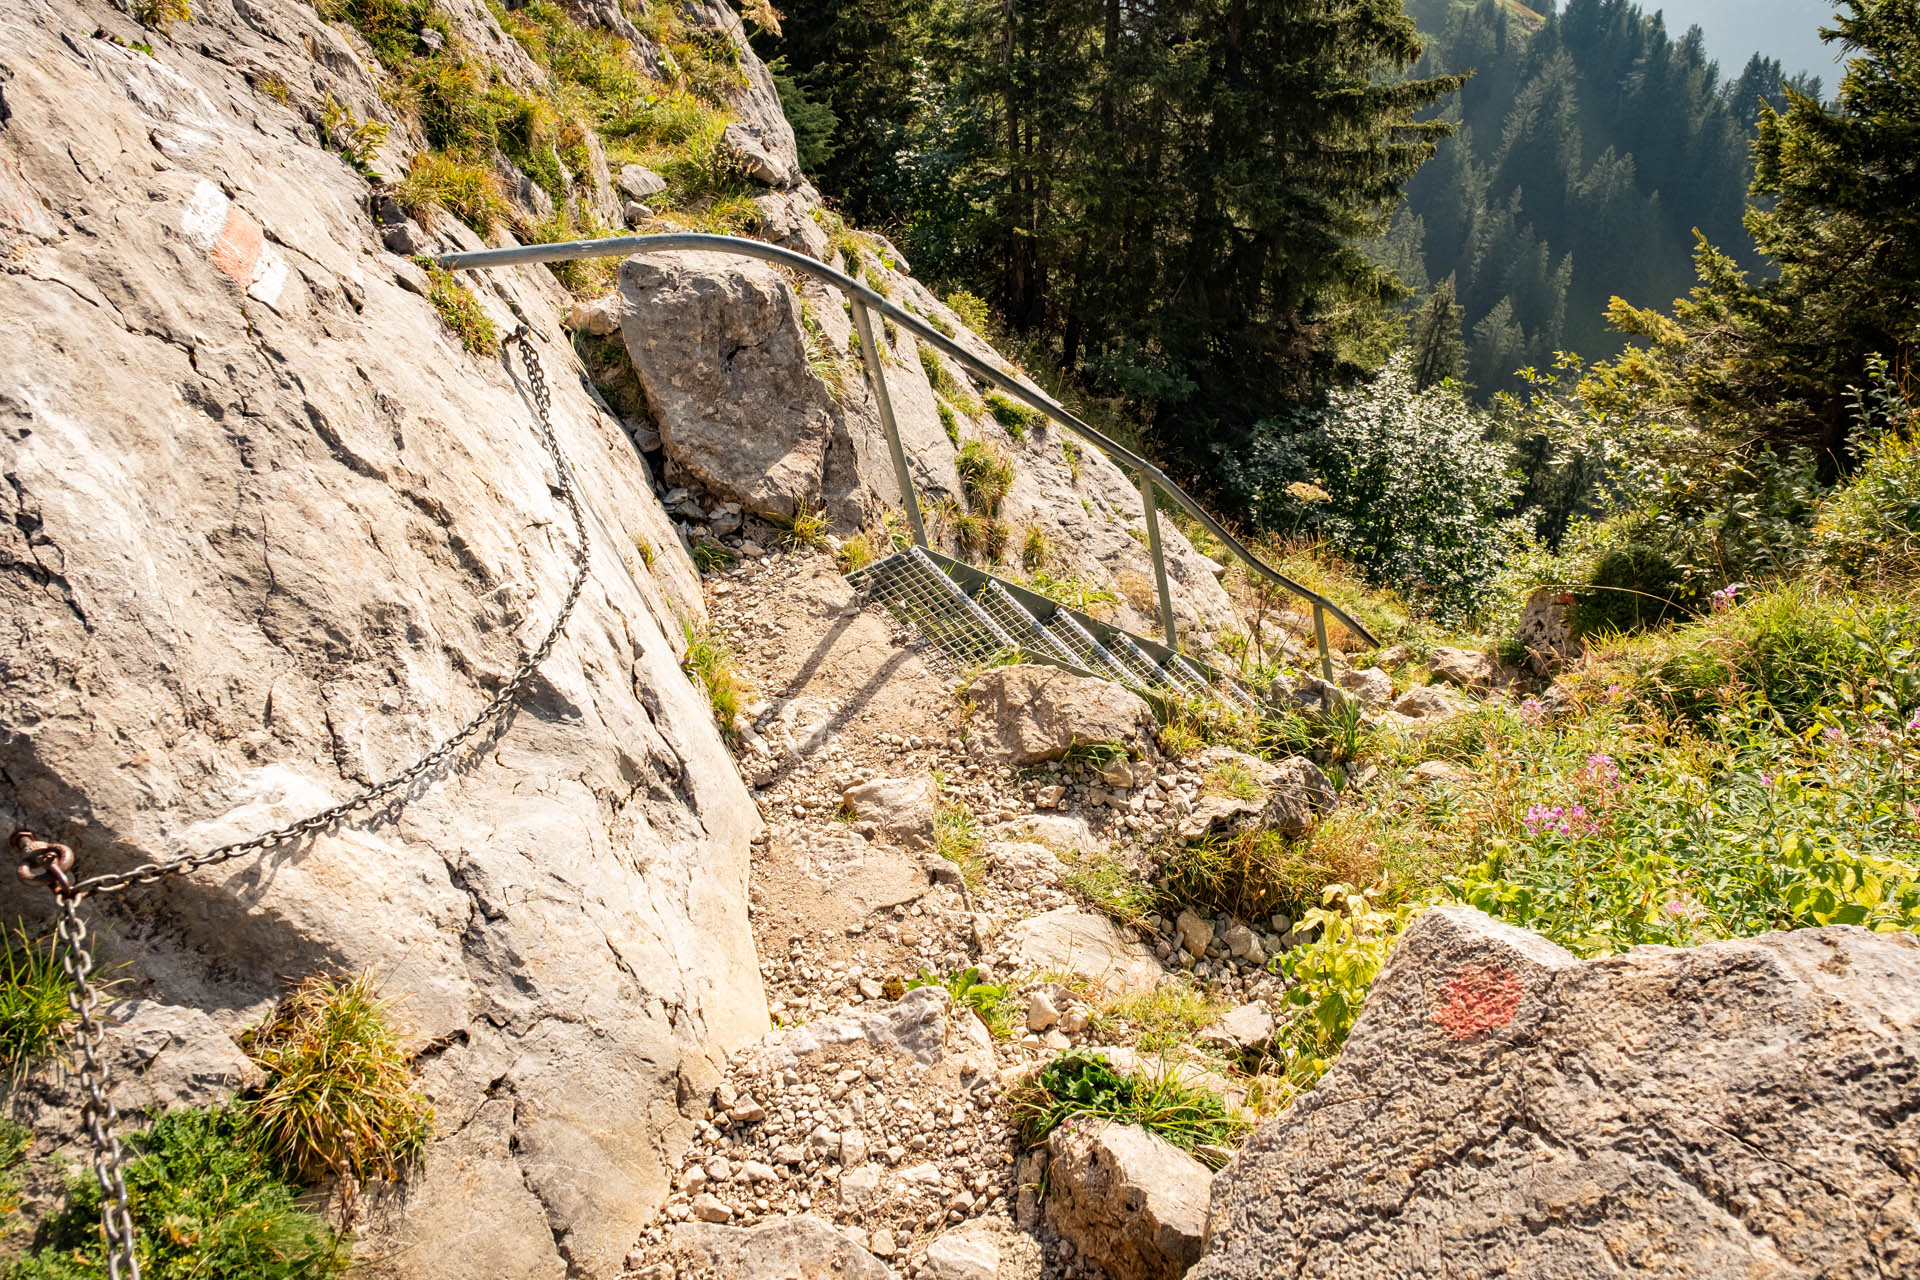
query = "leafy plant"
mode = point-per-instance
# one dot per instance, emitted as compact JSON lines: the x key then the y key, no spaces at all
{"x":971,"y":309}
{"x":995,"y":1002}
{"x":359,"y":141}
{"x":1080,"y":1084}
{"x":461,"y":312}
{"x":340,"y":1099}
{"x":208,"y":1204}
{"x":1329,"y":977}
{"x":34,"y":1012}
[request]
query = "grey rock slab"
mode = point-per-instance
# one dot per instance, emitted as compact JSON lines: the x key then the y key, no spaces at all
{"x":962,"y":1254}
{"x":293,"y":535}
{"x":639,"y":182}
{"x":1247,"y":1027}
{"x":1029,"y":714}
{"x":164,"y":1056}
{"x":1738,"y":1108}
{"x":802,"y":1248}
{"x":902,"y":808}
{"x":1133,"y":1204}
{"x":750,"y":152}
{"x":1077,"y":941}
{"x":1468,"y":669}
{"x":1427,"y":702}
{"x":1371,"y":685}
{"x":916,"y":1025}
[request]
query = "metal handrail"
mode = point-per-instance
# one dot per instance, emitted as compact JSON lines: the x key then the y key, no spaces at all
{"x":1150,"y":477}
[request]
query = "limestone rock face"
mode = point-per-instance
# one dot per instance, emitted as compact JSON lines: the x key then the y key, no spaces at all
{"x":1029,"y":713}
{"x":1745,"y":1108}
{"x":274,"y":534}
{"x":1131,"y":1202}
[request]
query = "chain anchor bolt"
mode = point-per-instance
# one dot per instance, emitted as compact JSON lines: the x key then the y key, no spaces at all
{"x":41,"y":860}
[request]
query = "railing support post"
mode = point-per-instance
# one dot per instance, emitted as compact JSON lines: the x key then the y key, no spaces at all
{"x":1320,"y":638}
{"x":1159,"y":562}
{"x":876,"y":373}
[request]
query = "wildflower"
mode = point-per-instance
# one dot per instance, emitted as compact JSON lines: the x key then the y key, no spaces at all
{"x":1723,"y":598}
{"x":1833,"y":736}
{"x":1685,"y":906}
{"x":1766,"y":779}
{"x":1534,"y":710}
{"x":1615,"y":693}
{"x":1600,"y":771}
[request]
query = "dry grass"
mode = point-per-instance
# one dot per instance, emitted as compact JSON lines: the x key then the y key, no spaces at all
{"x":340,"y":1099}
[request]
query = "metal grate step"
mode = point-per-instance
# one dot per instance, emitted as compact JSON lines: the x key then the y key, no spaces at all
{"x":973,"y":617}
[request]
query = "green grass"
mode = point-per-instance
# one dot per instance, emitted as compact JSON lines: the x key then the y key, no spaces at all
{"x":1161,"y":1019}
{"x":710,"y":662}
{"x":1105,"y":883}
{"x":957,"y":838}
{"x":1251,"y":874}
{"x":208,"y":1203}
{"x":461,"y":312}
{"x":468,"y":191}
{"x":1074,"y":592}
{"x":1232,"y":778}
{"x":1083,"y":1085}
{"x":942,"y":381}
{"x":708,"y":556}
{"x":34,"y":1013}
{"x":1036,"y":549}
{"x":807,"y":528}
{"x":340,"y":1099}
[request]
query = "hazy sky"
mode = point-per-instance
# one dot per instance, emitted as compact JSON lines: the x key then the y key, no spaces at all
{"x":1736,"y":29}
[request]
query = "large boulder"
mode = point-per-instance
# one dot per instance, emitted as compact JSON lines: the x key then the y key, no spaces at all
{"x":276,"y":534}
{"x":1133,"y":1204}
{"x":1469,"y":669}
{"x":1030,"y":713}
{"x":1242,"y":791}
{"x":1745,"y":1108}
{"x":1546,"y":631}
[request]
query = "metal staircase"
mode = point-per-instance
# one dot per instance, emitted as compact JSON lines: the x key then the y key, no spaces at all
{"x":969,"y":614}
{"x":973,"y":617}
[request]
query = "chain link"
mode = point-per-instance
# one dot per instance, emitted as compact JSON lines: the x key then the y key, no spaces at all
{"x":43,"y":861}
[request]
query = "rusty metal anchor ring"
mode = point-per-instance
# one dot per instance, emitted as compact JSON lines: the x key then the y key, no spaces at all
{"x":42,"y":860}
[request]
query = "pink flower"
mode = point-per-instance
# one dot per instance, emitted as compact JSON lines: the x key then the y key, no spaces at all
{"x":1534,"y":710}
{"x":1615,"y":693}
{"x":1686,"y":907}
{"x":1723,"y":598}
{"x":1601,"y":771}
{"x":1766,"y":779}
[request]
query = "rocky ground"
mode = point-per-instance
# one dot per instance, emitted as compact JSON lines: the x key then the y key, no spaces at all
{"x":877,"y":1108}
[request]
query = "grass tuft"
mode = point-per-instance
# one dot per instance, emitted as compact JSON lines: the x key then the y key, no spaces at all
{"x":462,"y":312}
{"x":34,"y":1013}
{"x":340,"y":1099}
{"x":710,"y":662}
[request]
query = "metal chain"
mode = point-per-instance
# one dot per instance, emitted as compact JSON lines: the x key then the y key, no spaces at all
{"x":51,"y":863}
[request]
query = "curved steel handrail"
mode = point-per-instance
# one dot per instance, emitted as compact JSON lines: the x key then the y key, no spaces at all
{"x":626,"y":246}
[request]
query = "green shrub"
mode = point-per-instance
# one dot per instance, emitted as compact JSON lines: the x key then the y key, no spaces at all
{"x":340,"y":1099}
{"x":971,"y":309}
{"x":1631,"y":588}
{"x":207,"y":1203}
{"x":1251,"y":874}
{"x":1870,"y":528}
{"x":462,"y":312}
{"x":33,"y":1001}
{"x":1416,"y":493}
{"x":1328,"y":979}
{"x":1081,"y":1084}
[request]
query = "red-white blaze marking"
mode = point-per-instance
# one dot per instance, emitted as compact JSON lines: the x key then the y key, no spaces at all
{"x":234,"y":243}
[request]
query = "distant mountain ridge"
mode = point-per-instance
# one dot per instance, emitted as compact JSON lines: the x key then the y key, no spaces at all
{"x":1591,"y":146}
